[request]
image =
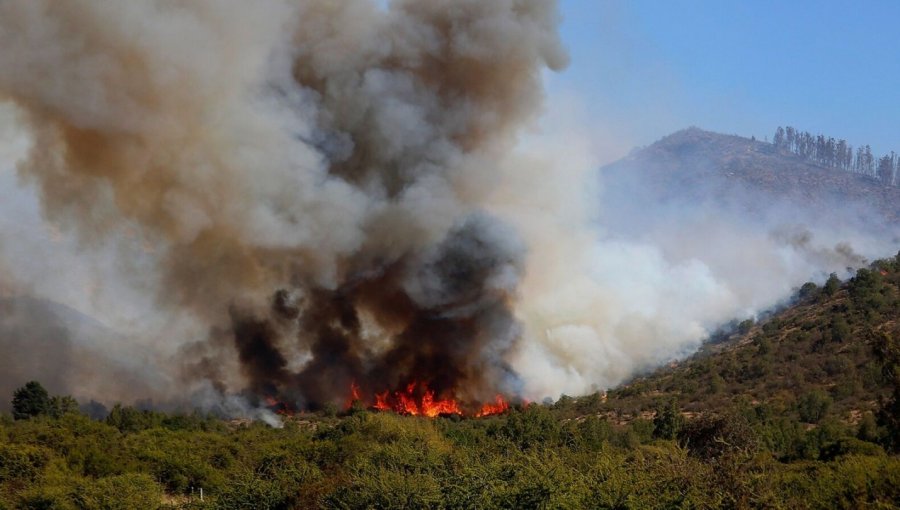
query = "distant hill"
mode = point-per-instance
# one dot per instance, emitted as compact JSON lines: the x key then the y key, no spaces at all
{"x":697,"y":164}
{"x":66,"y":350}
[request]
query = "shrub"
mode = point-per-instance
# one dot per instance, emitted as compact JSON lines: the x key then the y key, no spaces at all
{"x":850,"y":446}
{"x":668,"y":421}
{"x":124,"y":492}
{"x":813,"y":406}
{"x":532,"y":426}
{"x":593,"y":433}
{"x":840,"y":330}
{"x":22,"y":462}
{"x":711,"y":437}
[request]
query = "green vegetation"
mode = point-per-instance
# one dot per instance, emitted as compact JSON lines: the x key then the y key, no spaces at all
{"x":800,"y":410}
{"x":529,"y":458}
{"x":830,"y":355}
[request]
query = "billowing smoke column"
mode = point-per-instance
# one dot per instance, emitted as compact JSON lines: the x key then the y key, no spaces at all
{"x":309,"y":177}
{"x":444,"y":317}
{"x":282,"y":200}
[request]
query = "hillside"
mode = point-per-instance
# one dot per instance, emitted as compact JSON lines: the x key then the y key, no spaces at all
{"x":43,"y":339}
{"x":797,"y":409}
{"x":777,"y":414}
{"x":820,"y":345}
{"x":819,"y":348}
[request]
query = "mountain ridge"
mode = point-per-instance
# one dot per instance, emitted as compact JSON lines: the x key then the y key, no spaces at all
{"x":691,"y":155}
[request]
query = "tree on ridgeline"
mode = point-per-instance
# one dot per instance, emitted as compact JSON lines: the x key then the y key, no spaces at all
{"x":33,"y":400}
{"x":778,"y":140}
{"x":885,"y":172}
{"x":868,"y":165}
{"x":832,"y":153}
{"x":832,"y":285}
{"x":61,"y":405}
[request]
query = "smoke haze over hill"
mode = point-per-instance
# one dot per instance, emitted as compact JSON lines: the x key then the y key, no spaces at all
{"x":282,"y":199}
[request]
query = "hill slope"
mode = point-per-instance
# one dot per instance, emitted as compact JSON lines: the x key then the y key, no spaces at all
{"x":65,"y":349}
{"x":749,"y":442}
{"x":811,"y":361}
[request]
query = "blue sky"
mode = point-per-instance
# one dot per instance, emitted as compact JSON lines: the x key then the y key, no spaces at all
{"x":645,"y":68}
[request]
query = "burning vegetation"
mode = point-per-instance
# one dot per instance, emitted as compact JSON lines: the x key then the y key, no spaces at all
{"x":414,"y":399}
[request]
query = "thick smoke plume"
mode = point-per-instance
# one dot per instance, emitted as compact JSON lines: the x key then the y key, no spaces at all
{"x":308,"y":177}
{"x":276,"y":200}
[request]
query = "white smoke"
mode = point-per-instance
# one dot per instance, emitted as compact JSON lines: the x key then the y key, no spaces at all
{"x":619,"y":282}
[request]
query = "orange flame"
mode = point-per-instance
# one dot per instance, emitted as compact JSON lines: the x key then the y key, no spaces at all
{"x":354,"y":395}
{"x":424,"y":403}
{"x":381,"y":401}
{"x":416,"y":399}
{"x":278,"y":407}
{"x":500,"y":406}
{"x":432,"y":407}
{"x":405,"y":402}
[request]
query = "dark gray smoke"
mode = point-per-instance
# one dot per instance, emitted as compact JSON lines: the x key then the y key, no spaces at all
{"x":309,"y":177}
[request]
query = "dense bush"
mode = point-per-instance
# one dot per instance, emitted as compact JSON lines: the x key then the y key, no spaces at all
{"x":123,"y":492}
{"x":532,"y":457}
{"x":813,"y":406}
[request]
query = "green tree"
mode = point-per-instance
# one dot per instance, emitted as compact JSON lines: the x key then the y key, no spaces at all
{"x":831,"y":285}
{"x":868,"y":429}
{"x":129,"y":419}
{"x":813,"y":406}
{"x":840,"y":330}
{"x":30,"y":400}
{"x":531,"y":426}
{"x":668,"y":421}
{"x":808,"y":290}
{"x":887,"y":352}
{"x":62,"y":405}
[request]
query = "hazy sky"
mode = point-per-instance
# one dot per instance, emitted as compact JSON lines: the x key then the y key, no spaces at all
{"x":645,"y":68}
